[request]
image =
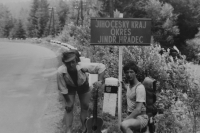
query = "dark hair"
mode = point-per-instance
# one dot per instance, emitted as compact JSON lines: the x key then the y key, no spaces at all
{"x":131,"y":65}
{"x":139,"y":73}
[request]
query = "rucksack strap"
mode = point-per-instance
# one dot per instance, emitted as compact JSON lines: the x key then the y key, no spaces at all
{"x":136,"y":88}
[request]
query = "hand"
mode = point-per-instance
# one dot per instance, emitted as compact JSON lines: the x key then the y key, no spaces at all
{"x":123,"y":84}
{"x":97,"y":84}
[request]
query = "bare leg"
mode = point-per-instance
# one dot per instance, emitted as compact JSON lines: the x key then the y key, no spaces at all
{"x":68,"y":118}
{"x":129,"y":125}
{"x":84,"y":101}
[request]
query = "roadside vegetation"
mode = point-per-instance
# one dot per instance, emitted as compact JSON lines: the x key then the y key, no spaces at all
{"x":174,"y":23}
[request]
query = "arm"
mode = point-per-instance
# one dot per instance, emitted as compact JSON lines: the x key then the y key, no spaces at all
{"x":140,"y":99}
{"x":101,"y":76}
{"x":61,"y":83}
{"x":136,"y":112}
{"x":93,"y":68}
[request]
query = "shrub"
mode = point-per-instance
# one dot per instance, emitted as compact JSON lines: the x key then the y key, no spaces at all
{"x":192,"y":50}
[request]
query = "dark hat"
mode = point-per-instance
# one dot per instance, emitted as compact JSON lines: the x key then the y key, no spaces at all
{"x":68,"y":56}
{"x":77,"y":54}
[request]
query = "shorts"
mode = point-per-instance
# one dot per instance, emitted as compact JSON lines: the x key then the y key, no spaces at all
{"x":79,"y":89}
{"x":144,"y":119}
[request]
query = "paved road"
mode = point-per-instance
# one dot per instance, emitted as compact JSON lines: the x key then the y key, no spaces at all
{"x":24,"y":77}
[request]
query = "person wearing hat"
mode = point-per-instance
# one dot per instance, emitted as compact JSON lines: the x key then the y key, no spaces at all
{"x":72,"y":79}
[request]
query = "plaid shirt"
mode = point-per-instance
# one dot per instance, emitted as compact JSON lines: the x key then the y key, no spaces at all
{"x":64,"y":80}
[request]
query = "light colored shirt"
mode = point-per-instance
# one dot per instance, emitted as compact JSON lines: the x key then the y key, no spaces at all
{"x":135,"y":94}
{"x":64,"y":80}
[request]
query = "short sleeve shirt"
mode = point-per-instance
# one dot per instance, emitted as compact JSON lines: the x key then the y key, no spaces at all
{"x":135,"y":94}
{"x":63,"y":81}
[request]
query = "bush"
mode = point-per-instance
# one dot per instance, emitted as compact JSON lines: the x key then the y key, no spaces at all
{"x":192,"y":50}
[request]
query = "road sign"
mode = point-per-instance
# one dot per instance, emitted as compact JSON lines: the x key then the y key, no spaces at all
{"x":121,"y":31}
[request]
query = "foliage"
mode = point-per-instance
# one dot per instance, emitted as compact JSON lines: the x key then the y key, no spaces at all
{"x":18,"y":31}
{"x":42,"y":15}
{"x":5,"y":21}
{"x":188,"y":19}
{"x":32,"y":26}
{"x":40,"y":23}
{"x":63,"y":12}
{"x":53,"y":25}
{"x":193,"y":50}
{"x":67,"y":34}
{"x":164,"y":26}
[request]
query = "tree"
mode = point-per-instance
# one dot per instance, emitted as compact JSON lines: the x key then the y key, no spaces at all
{"x":164,"y":28}
{"x":5,"y":21}
{"x":7,"y":26}
{"x":63,"y":11}
{"x":32,"y":26}
{"x":53,"y":26}
{"x":188,"y":19}
{"x":43,"y":17}
{"x":20,"y":31}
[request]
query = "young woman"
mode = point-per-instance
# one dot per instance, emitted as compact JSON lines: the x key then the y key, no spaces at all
{"x":136,"y":97}
{"x":72,"y":79}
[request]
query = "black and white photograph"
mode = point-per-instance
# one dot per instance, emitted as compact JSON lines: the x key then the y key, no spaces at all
{"x":99,"y":66}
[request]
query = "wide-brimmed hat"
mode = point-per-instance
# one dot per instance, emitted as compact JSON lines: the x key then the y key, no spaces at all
{"x":77,"y":54}
{"x":68,"y":56}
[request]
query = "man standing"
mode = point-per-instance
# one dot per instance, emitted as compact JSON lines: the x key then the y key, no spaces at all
{"x":72,"y":79}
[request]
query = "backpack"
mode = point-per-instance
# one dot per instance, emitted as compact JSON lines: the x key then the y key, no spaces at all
{"x":151,"y":110}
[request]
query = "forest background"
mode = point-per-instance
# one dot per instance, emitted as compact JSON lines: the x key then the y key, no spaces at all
{"x":174,"y":23}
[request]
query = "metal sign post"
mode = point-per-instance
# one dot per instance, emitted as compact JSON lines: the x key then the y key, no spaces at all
{"x":120,"y":87}
{"x":120,"y":79}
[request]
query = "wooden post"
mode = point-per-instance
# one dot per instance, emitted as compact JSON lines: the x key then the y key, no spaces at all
{"x":53,"y":28}
{"x":111,"y":8}
{"x":78,"y":14}
{"x":50,"y":21}
{"x":82,"y":12}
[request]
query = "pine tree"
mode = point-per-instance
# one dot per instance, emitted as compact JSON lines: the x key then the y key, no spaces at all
{"x":63,"y":11}
{"x":20,"y":32}
{"x":53,"y":26}
{"x":43,"y":17}
{"x":8,"y":26}
{"x":5,"y":21}
{"x":32,"y":26}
